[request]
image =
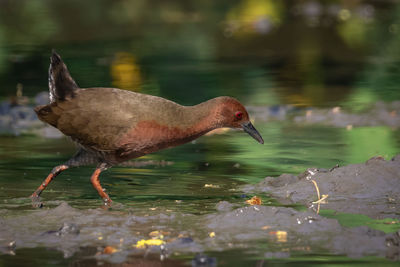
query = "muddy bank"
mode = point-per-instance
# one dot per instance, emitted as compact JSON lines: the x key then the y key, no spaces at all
{"x":289,"y":231}
{"x":371,"y":188}
{"x":113,"y":236}
{"x":284,"y":231}
{"x":117,"y":235}
{"x":69,"y":229}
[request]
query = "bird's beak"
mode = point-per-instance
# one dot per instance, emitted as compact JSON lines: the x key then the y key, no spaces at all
{"x":249,"y":128}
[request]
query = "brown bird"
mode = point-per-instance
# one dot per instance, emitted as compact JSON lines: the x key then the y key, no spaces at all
{"x":112,"y":125}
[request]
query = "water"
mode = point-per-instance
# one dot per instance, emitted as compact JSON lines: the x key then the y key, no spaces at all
{"x":313,"y":55}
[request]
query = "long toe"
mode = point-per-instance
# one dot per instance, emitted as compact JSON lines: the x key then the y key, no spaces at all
{"x":36,"y":203}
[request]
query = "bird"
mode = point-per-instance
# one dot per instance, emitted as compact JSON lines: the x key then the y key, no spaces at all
{"x":111,"y":125}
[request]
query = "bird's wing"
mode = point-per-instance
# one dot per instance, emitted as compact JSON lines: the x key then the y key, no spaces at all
{"x":96,"y":118}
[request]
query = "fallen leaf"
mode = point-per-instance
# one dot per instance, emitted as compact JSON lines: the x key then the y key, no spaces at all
{"x":109,"y":250}
{"x":254,"y":201}
{"x":149,"y":242}
{"x":281,"y":236}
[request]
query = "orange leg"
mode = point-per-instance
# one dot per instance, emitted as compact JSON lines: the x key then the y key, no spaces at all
{"x":96,"y":184}
{"x":35,"y":196}
{"x":56,"y":171}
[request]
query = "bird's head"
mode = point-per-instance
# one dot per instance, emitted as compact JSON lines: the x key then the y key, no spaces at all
{"x":231,"y":113}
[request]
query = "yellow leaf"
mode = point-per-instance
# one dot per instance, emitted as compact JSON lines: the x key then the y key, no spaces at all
{"x":149,"y":242}
{"x":254,"y":201}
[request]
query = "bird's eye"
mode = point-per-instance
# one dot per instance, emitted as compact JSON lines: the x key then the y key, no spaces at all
{"x":239,"y":115}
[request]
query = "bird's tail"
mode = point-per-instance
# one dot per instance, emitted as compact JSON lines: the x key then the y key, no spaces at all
{"x":61,"y":84}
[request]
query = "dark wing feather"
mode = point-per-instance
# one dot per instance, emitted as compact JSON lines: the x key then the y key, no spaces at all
{"x":61,"y":84}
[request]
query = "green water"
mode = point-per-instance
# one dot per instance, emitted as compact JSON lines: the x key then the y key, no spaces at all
{"x":188,"y":52}
{"x":226,"y":160}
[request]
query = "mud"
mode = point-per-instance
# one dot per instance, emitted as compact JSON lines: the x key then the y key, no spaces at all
{"x":370,"y":188}
{"x":288,"y":230}
{"x":285,"y":230}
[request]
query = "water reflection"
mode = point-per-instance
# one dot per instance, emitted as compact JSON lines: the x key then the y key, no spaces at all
{"x":224,"y":160}
{"x":125,"y":72}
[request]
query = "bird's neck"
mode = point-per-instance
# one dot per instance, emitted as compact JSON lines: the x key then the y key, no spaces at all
{"x":202,"y":118}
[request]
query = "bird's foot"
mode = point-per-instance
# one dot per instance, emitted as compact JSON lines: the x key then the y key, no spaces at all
{"x":36,"y":203}
{"x":106,"y":203}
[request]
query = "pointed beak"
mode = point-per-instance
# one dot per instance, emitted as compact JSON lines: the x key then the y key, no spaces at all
{"x":249,"y":128}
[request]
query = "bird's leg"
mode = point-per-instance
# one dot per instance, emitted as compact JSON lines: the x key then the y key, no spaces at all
{"x":35,"y":196}
{"x":82,"y":157}
{"x":96,"y":183}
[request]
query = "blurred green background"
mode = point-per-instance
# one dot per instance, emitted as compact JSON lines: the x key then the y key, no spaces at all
{"x":310,"y":53}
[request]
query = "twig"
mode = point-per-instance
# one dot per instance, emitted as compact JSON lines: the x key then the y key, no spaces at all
{"x":320,"y":200}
